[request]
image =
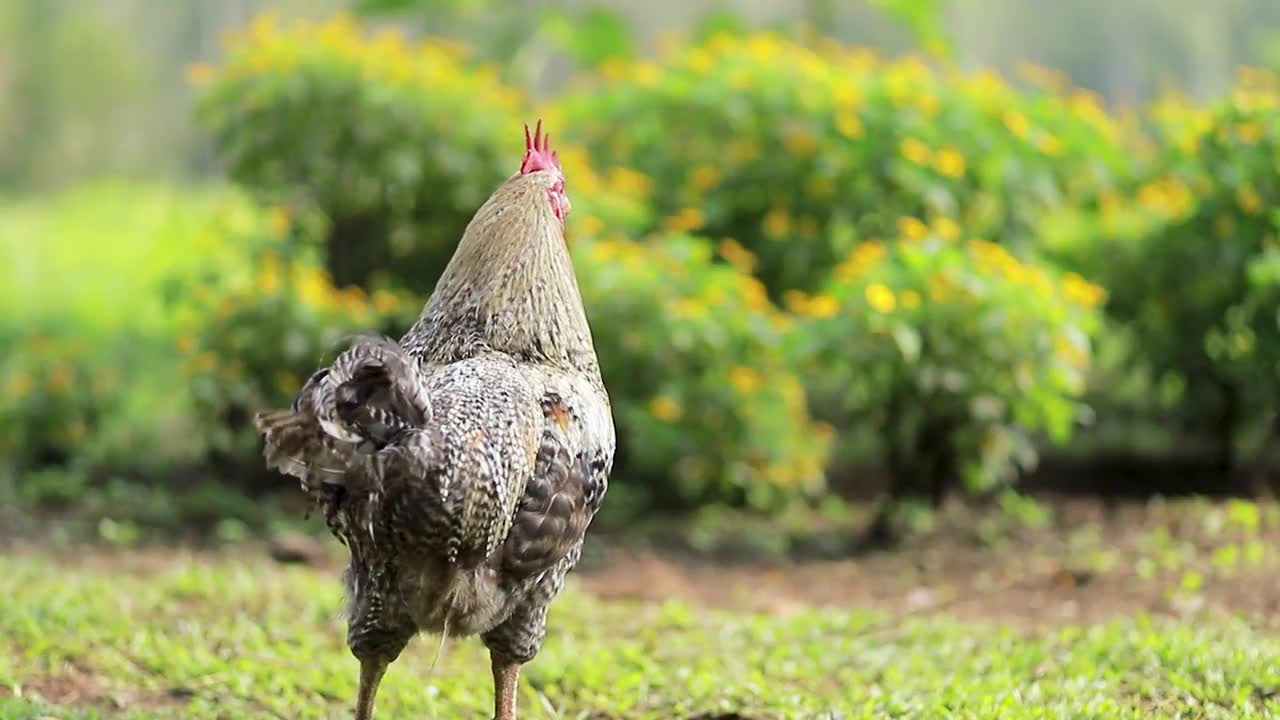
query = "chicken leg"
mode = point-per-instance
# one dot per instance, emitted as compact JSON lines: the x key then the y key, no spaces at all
{"x":506,"y":678}
{"x":371,"y":672}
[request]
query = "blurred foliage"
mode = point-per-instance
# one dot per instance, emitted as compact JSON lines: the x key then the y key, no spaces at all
{"x":961,"y":356}
{"x":255,"y":338}
{"x":768,"y":236}
{"x":89,"y":377}
{"x":396,"y":146}
{"x":773,"y":144}
{"x":1192,"y":257}
{"x":707,"y":403}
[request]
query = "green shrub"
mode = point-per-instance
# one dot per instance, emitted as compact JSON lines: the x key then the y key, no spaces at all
{"x":103,"y":256}
{"x":89,"y":385}
{"x":256,"y":337}
{"x":52,"y":397}
{"x":395,"y":145}
{"x":774,"y":145}
{"x":1191,"y":257}
{"x":707,"y":406}
{"x":958,"y":355}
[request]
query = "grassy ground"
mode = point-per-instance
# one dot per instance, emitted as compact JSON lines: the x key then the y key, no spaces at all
{"x":1043,"y":627}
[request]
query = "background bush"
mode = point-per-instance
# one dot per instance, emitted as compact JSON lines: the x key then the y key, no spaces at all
{"x":773,"y":144}
{"x":395,"y":146}
{"x":956,"y":359}
{"x":693,"y":354}
{"x":799,"y":260}
{"x":1189,"y":253}
{"x":91,"y":386}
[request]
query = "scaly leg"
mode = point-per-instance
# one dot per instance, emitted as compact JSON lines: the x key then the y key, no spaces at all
{"x":506,"y":678}
{"x":371,"y":672}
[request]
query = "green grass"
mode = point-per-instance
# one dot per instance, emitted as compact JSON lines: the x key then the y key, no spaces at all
{"x":238,"y":637}
{"x":98,"y":254}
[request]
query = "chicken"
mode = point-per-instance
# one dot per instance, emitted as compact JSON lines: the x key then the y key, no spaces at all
{"x":462,"y":465}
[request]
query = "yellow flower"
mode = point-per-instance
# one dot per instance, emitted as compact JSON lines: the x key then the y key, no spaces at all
{"x":665,"y":408}
{"x":939,"y":287}
{"x":60,"y":379}
{"x":880,"y":298}
{"x":199,"y":73}
{"x":800,"y":141}
{"x":268,"y":280}
{"x":736,"y":255}
{"x":949,"y":162}
{"x":1168,"y":196}
{"x":777,"y":223}
{"x":629,"y":181}
{"x":646,"y":73}
{"x":721,"y":42}
{"x":822,"y":306}
{"x":1050,"y":145}
{"x":744,"y":380}
{"x":315,"y":288}
{"x":686,"y":220}
{"x":797,"y":301}
{"x":278,"y":221}
{"x":1017,"y":123}
{"x":847,"y":96}
{"x":1064,"y":348}
{"x":763,"y":47}
{"x":743,"y":151}
{"x":590,"y":225}
{"x":912,"y":228}
{"x":352,"y":298}
{"x":927,"y":104}
{"x":1249,"y":132}
{"x":19,"y":385}
{"x":849,"y":125}
{"x":915,"y":151}
{"x":1081,"y":291}
{"x":689,"y":308}
{"x":384,"y":301}
{"x":863,"y":256}
{"x":699,"y":60}
{"x":910,"y":299}
{"x":703,"y":178}
{"x":613,"y":69}
{"x":946,"y":228}
{"x":754,"y":292}
{"x":1249,"y":200}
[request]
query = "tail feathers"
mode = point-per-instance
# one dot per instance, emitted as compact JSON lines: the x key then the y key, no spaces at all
{"x":373,"y":395}
{"x":379,"y":388}
{"x":296,"y":445}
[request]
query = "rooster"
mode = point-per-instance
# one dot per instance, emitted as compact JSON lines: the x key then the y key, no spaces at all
{"x":462,"y":465}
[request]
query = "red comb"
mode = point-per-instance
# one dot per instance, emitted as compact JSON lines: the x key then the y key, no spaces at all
{"x":538,"y":154}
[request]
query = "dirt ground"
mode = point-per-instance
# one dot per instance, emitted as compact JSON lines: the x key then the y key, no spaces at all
{"x":1032,"y":577}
